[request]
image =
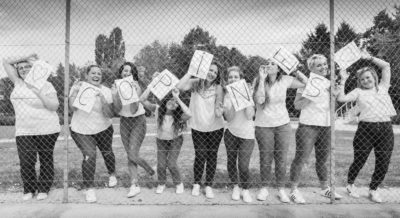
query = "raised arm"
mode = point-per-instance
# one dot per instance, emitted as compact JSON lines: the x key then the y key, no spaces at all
{"x":342,"y":97}
{"x":146,"y":103}
{"x":299,"y":81}
{"x":385,"y":68}
{"x":186,"y":83}
{"x":187,"y":114}
{"x":259,"y":97}
{"x":11,"y":70}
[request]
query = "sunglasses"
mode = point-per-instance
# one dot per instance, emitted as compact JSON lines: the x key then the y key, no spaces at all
{"x":26,"y":67}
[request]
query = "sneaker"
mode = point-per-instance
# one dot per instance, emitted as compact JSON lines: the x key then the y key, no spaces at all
{"x":327,"y":193}
{"x":246,"y":196}
{"x":160,"y":189}
{"x":283,"y":196}
{"x":236,"y":193}
{"x":262,"y":194}
{"x":209,"y":192}
{"x":112,"y":181}
{"x":297,"y":197}
{"x":196,"y":190}
{"x":41,"y":196}
{"x":351,"y":190}
{"x":90,"y":196}
{"x":133,"y":191}
{"x":27,"y":196}
{"x":375,"y":196}
{"x":179,"y":188}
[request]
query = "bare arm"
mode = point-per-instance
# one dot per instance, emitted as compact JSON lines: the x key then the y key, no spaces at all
{"x":219,"y":101}
{"x":147,"y":104}
{"x":186,"y":83}
{"x":107,"y":108}
{"x":249,"y":111}
{"x":385,"y":67}
{"x":300,"y":81}
{"x":187,"y":114}
{"x":50,"y":101}
{"x":342,"y":97}
{"x":300,"y":102}
{"x":10,"y":69}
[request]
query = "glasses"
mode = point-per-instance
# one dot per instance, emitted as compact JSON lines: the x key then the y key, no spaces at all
{"x":26,"y":67}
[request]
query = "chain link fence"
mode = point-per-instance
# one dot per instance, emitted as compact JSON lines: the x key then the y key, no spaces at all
{"x":238,"y":128}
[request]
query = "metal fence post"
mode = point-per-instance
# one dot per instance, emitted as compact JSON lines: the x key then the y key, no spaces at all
{"x":333,"y":99}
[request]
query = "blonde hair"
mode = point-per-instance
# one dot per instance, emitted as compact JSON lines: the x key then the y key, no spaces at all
{"x":234,"y":68}
{"x":361,"y":72}
{"x":311,"y":60}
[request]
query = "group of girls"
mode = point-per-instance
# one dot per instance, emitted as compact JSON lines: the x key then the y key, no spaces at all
{"x":267,"y":123}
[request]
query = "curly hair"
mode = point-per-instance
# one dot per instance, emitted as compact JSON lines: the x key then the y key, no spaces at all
{"x":178,"y":124}
{"x":134,"y":70}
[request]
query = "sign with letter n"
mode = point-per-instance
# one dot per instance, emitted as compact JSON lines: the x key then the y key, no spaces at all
{"x":240,"y":95}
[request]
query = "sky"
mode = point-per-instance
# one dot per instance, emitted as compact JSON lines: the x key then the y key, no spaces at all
{"x":255,"y":27}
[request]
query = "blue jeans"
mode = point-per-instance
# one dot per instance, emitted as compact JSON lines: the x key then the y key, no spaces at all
{"x":273,"y":143}
{"x":167,"y":157}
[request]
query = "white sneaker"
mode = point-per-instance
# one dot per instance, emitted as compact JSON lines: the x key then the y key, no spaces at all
{"x":327,"y":193}
{"x":375,"y":196}
{"x":196,"y":190}
{"x":41,"y":196}
{"x":27,"y":196}
{"x":90,"y":196}
{"x":351,"y":190}
{"x":296,"y":197}
{"x":160,"y":189}
{"x":133,"y":191}
{"x":246,"y":196}
{"x":179,"y":188}
{"x":112,"y":181}
{"x":209,"y":192}
{"x":283,"y":196}
{"x":236,"y":193}
{"x":262,"y":194}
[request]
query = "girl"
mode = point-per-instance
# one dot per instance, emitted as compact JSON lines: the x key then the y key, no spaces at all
{"x":94,"y":129}
{"x":171,"y":117}
{"x":132,"y":128}
{"x":375,"y":129}
{"x":272,"y":123}
{"x":36,"y":126}
{"x":206,"y":124}
{"x":313,"y":131}
{"x":239,"y":141}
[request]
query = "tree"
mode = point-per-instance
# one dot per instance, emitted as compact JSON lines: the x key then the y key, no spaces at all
{"x":109,"y":50}
{"x":197,"y":36}
{"x":344,"y":35}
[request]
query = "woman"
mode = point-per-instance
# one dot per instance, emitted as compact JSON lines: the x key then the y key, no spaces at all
{"x":36,"y":126}
{"x":239,"y":141}
{"x":273,"y":131}
{"x":206,"y":124}
{"x":375,"y":129}
{"x":94,"y":129}
{"x":314,"y":131}
{"x":132,"y":128}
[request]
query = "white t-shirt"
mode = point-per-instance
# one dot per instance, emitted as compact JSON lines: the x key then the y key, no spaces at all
{"x":126,"y":111}
{"x":316,"y":113}
{"x":275,"y":113}
{"x":375,"y":106}
{"x":31,"y":116}
{"x":166,"y":132}
{"x":202,"y":106}
{"x":240,"y":126}
{"x":93,"y":122}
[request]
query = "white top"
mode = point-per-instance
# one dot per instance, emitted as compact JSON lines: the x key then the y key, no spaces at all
{"x":316,"y":113}
{"x":275,"y":113}
{"x":202,"y":106}
{"x":126,"y":111}
{"x":240,"y":126}
{"x":31,"y":116}
{"x":166,"y":132}
{"x":93,"y":122}
{"x":375,"y":106}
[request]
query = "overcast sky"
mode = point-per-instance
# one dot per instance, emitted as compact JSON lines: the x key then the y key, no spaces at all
{"x":255,"y":27}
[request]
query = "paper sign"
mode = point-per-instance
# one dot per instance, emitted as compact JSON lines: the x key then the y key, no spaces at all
{"x":126,"y":90}
{"x":163,"y":83}
{"x":347,"y":55}
{"x":315,"y":88}
{"x":286,"y":60}
{"x":200,"y":64}
{"x":240,"y":95}
{"x":86,"y":97}
{"x":38,"y":74}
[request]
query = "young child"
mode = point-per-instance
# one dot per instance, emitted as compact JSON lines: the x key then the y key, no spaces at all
{"x":171,"y":116}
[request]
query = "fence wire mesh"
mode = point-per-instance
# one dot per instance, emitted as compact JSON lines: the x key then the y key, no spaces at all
{"x":199,"y":102}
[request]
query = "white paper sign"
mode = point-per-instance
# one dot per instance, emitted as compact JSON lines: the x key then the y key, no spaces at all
{"x":163,"y":83}
{"x":38,"y":74}
{"x":286,"y":60}
{"x":200,"y":64}
{"x":86,"y":97}
{"x":240,"y":95}
{"x":347,"y":55}
{"x":126,"y":90}
{"x":315,"y":87}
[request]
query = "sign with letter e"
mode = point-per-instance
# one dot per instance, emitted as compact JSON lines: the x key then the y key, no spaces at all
{"x":163,"y":83}
{"x":286,"y":60}
{"x":240,"y":95}
{"x":200,"y":64}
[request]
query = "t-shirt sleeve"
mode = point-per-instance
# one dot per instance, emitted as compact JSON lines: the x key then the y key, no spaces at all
{"x":287,"y":80}
{"x":48,"y":88}
{"x":300,"y":91}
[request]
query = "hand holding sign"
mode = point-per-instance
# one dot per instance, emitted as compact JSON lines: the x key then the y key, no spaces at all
{"x":39,"y":73}
{"x":163,"y":83}
{"x":347,"y":55}
{"x":286,"y":60}
{"x":200,"y":64}
{"x":127,"y":90}
{"x":240,"y":95}
{"x":86,"y":97}
{"x":316,"y":87}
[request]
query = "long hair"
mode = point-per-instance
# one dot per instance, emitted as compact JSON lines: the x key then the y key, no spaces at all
{"x":200,"y":85}
{"x":134,"y":70}
{"x":177,"y":124}
{"x":361,"y":72}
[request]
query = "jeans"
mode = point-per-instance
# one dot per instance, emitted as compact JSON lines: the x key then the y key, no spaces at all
{"x":28,"y":149}
{"x":167,"y":156}
{"x":273,"y":143}
{"x":238,"y":156}
{"x":133,"y":131}
{"x":206,"y":146}
{"x":378,"y":136}
{"x":87,"y":144}
{"x":307,"y":137}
